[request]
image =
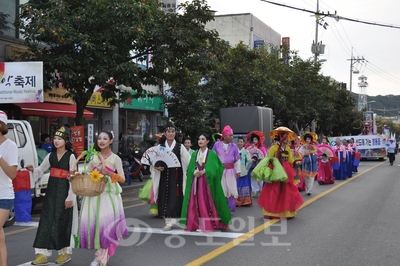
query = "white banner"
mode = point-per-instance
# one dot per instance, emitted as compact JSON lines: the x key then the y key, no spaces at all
{"x":21,"y":82}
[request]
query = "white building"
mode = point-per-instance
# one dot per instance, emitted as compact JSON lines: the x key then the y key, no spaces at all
{"x":247,"y":28}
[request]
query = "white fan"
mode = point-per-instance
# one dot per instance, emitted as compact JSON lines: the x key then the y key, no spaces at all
{"x":159,"y":153}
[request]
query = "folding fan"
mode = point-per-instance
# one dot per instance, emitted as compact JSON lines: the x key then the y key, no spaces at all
{"x":159,"y":153}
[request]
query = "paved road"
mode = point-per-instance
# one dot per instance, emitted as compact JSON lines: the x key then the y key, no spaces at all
{"x":353,"y":222}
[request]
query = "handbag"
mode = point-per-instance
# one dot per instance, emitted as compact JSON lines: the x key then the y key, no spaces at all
{"x":269,"y":172}
{"x":145,"y":191}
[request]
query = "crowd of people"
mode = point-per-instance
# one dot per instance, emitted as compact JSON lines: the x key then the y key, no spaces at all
{"x":200,"y":194}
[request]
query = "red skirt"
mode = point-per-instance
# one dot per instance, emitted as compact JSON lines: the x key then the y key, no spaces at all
{"x":281,"y":199}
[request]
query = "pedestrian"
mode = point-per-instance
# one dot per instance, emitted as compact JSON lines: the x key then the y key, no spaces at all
{"x":168,"y":183}
{"x":309,"y":166}
{"x":391,"y":151}
{"x":204,"y":206}
{"x":102,"y":217}
{"x":46,"y":143}
{"x":228,"y":153}
{"x":281,"y":199}
{"x":244,"y":181}
{"x":8,"y":171}
{"x":59,"y":217}
{"x":187,"y":142}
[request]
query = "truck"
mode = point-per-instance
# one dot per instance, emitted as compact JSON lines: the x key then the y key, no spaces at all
{"x":20,"y":131}
{"x":248,"y":118}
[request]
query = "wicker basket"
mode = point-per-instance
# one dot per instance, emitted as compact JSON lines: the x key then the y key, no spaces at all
{"x":83,"y":185}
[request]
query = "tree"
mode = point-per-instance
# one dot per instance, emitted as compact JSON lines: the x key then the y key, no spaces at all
{"x":4,"y":23}
{"x":88,"y":42}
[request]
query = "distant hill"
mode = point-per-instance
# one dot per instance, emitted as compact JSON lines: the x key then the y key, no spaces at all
{"x":386,"y":106}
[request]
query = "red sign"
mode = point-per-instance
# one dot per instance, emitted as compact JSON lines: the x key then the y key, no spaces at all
{"x":78,"y":139}
{"x":286,"y":42}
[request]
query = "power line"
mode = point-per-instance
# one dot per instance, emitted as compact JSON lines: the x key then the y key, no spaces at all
{"x":334,"y":16}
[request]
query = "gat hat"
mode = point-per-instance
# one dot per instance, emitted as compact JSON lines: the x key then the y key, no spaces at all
{"x":64,"y":132}
{"x":3,"y":117}
{"x":169,"y":125}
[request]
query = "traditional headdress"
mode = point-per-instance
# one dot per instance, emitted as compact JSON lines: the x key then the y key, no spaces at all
{"x":227,"y":131}
{"x":169,"y":126}
{"x":64,"y":132}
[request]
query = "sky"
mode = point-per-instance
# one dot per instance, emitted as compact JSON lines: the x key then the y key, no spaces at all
{"x":379,"y":46}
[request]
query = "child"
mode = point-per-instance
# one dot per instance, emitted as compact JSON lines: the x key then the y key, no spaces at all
{"x":56,"y":219}
{"x":102,"y":222}
{"x":325,"y":173}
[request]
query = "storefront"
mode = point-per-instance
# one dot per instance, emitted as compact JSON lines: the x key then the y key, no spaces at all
{"x":139,"y":120}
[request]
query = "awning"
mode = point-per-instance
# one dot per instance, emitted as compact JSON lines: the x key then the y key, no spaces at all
{"x":51,"y":109}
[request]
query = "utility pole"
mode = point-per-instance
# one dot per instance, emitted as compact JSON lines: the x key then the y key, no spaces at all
{"x":353,"y":61}
{"x":316,"y":33}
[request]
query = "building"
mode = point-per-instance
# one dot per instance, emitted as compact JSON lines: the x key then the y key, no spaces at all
{"x":247,"y":28}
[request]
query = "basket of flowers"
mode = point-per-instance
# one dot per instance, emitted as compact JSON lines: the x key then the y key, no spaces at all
{"x":89,"y":184}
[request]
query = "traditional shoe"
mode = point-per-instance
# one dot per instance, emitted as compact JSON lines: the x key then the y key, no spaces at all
{"x":40,"y":260}
{"x":308,"y":194}
{"x":95,"y":263}
{"x":63,"y":258}
{"x":167,"y":227}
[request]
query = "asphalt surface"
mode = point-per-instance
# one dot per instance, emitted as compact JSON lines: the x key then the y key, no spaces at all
{"x":352,"y":222}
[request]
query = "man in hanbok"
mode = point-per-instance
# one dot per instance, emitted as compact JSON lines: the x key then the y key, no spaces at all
{"x":228,"y":153}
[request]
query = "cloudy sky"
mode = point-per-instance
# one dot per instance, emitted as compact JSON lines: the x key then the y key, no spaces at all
{"x":380,"y":46}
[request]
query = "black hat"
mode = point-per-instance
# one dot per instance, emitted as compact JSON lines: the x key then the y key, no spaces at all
{"x":169,"y":125}
{"x":64,"y":132}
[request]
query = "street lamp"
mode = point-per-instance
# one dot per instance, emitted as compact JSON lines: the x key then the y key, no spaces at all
{"x":369,"y":106}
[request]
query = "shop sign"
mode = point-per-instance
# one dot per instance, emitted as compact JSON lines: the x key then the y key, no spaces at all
{"x":21,"y":82}
{"x":148,"y":103}
{"x":78,"y":139}
{"x":90,"y":135}
{"x":96,"y":100}
{"x":57,"y":95}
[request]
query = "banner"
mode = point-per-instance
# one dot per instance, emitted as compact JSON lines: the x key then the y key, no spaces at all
{"x":78,"y":139}
{"x":21,"y":82}
{"x":370,"y":146}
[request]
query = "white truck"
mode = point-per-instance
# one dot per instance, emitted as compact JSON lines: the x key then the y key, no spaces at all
{"x":20,"y":131}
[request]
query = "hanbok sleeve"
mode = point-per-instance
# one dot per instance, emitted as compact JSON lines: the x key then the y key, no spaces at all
{"x":43,"y":167}
{"x":185,"y":159}
{"x":72,"y":167}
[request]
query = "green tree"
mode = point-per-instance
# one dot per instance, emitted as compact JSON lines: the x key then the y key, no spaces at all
{"x":88,"y":42}
{"x":4,"y":23}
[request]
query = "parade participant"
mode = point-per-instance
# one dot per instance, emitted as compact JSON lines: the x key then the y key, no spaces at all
{"x":8,"y":171}
{"x":391,"y":151}
{"x":340,"y":152}
{"x":168,"y":182}
{"x":58,"y":218}
{"x":349,"y":159}
{"x":325,"y":172}
{"x":244,"y":181}
{"x":298,"y":159}
{"x":257,"y":150}
{"x":229,"y":156}
{"x":102,"y":221}
{"x":354,"y":151}
{"x":309,"y":166}
{"x":281,"y":199}
{"x":204,"y":206}
{"x":187,"y":142}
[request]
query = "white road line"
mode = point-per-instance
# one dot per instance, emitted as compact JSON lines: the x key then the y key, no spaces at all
{"x":182,"y":232}
{"x":150,"y":230}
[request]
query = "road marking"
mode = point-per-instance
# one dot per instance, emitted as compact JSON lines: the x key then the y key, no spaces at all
{"x":181,"y":232}
{"x":216,"y":252}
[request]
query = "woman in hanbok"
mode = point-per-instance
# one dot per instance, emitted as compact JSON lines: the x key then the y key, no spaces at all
{"x":204,"y":207}
{"x":298,"y":158}
{"x":309,"y":166}
{"x":349,"y":159}
{"x":352,"y":147}
{"x":325,"y":172}
{"x":257,"y":150}
{"x":340,"y":152}
{"x":281,"y":199}
{"x":102,"y":222}
{"x":244,"y":181}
